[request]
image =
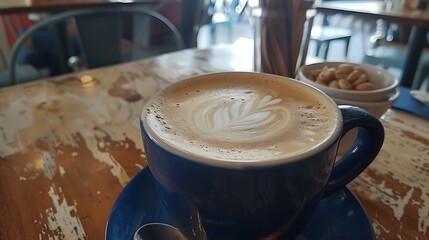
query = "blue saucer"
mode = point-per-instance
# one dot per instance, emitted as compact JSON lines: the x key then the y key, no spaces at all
{"x":338,"y":216}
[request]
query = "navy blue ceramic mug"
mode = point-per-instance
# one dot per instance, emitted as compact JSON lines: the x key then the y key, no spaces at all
{"x":249,"y":155}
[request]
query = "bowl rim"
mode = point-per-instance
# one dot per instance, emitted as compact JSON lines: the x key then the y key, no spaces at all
{"x":379,"y":90}
{"x":391,"y":99}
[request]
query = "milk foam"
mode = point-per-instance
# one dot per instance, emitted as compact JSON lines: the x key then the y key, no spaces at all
{"x":239,"y":119}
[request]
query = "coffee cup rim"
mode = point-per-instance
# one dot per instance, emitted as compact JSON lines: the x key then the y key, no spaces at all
{"x":233,"y":164}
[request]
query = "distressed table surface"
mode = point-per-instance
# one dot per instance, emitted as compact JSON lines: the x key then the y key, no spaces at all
{"x":68,"y":145}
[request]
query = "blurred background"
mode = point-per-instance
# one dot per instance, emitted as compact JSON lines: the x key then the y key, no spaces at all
{"x":204,"y":23}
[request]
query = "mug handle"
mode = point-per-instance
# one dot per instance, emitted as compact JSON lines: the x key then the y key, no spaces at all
{"x":363,"y":151}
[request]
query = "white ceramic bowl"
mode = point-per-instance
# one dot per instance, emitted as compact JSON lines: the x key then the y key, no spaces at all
{"x":385,"y":83}
{"x":375,"y":108}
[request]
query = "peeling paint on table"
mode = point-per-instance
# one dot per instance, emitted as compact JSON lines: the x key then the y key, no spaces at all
{"x":63,"y":217}
{"x":398,"y":180}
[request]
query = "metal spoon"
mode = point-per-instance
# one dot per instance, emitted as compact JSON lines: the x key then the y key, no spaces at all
{"x":158,"y":231}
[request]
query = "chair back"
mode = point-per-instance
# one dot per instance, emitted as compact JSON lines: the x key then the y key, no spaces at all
{"x":99,"y":37}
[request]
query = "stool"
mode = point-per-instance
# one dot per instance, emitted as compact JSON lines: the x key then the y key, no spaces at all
{"x":325,"y":35}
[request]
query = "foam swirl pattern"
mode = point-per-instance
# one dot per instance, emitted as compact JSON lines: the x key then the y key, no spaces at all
{"x":239,"y":121}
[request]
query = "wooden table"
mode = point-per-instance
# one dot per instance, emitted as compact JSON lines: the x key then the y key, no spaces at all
{"x":68,"y":145}
{"x":417,"y":19}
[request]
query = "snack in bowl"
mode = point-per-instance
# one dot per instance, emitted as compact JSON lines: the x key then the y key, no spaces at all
{"x":350,"y":81}
{"x":345,"y":76}
{"x":376,"y":100}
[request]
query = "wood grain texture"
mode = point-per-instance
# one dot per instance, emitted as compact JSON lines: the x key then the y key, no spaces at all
{"x":68,"y":145}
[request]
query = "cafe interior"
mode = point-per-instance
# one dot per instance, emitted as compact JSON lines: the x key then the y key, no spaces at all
{"x":75,"y":74}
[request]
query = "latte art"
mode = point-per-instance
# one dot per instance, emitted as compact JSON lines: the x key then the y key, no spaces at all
{"x":240,"y":121}
{"x":239,"y":118}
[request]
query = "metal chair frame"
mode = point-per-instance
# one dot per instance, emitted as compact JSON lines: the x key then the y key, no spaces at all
{"x":81,"y":14}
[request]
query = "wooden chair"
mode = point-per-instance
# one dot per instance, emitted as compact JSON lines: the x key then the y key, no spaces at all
{"x":98,"y":37}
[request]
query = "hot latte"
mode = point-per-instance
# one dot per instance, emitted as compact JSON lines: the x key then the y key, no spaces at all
{"x":239,"y":117}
